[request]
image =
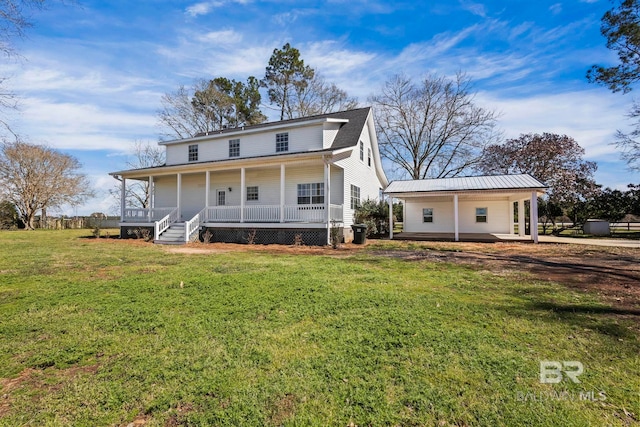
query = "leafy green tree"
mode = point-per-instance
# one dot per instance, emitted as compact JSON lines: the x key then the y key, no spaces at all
{"x":375,"y":215}
{"x":610,"y":205}
{"x":621,"y":27}
{"x":8,"y":215}
{"x":285,"y":75}
{"x":210,"y":105}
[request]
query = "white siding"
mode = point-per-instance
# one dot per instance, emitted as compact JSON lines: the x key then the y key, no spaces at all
{"x":301,"y":139}
{"x":165,"y":193}
{"x":192,"y":195}
{"x":358,"y":173}
{"x":442,"y":216}
{"x":329,"y":134}
{"x":498,"y":216}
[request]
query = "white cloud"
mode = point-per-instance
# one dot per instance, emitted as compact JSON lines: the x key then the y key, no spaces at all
{"x":591,"y":117}
{"x":204,"y":8}
{"x":474,"y":8}
{"x":555,"y":8}
{"x":223,"y":37}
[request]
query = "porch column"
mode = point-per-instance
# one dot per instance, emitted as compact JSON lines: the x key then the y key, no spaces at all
{"x":123,"y":198}
{"x":178,"y":196}
{"x":207,"y":188}
{"x":521,"y":224}
{"x":456,"y":233}
{"x":327,"y":198}
{"x":282,"y":177}
{"x":149,"y":196}
{"x":243,"y":190}
{"x":512,"y":226}
{"x":534,"y":216}
{"x":390,"y":217}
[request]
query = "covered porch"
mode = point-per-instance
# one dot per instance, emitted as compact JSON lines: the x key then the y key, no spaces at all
{"x":280,"y":195}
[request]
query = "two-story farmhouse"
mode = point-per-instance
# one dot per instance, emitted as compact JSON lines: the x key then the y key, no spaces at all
{"x":269,"y":183}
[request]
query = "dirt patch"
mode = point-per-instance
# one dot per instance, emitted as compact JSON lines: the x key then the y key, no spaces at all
{"x":611,"y":273}
{"x":35,"y":379}
{"x":283,"y":409}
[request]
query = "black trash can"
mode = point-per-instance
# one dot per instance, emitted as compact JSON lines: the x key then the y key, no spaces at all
{"x":359,"y":233}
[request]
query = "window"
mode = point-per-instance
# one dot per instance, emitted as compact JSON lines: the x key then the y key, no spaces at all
{"x":222,"y":198}
{"x":427,"y":215}
{"x":481,"y":214}
{"x":193,"y":153}
{"x":369,"y":157}
{"x":361,"y":151}
{"x":252,"y":193}
{"x":311,"y":194}
{"x":234,"y":148}
{"x":355,"y":196}
{"x":282,"y":142}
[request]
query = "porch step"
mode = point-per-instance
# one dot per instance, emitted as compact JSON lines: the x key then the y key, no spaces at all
{"x":174,"y":235}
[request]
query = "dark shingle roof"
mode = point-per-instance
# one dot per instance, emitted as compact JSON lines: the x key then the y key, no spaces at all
{"x":347,"y":135}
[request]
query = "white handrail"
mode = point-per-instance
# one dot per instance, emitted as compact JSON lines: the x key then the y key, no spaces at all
{"x":193,"y":224}
{"x":161,"y":225}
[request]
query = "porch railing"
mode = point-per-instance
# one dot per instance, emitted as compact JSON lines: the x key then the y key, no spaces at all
{"x":271,"y":213}
{"x":262,"y":213}
{"x":164,"y":223}
{"x":145,"y":214}
{"x":304,"y":213}
{"x":193,"y":225}
{"x":223,"y":214}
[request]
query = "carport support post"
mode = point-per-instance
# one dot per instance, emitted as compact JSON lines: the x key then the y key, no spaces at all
{"x":456,"y":230}
{"x":390,"y":217}
{"x":521,"y":224}
{"x":534,"y":216}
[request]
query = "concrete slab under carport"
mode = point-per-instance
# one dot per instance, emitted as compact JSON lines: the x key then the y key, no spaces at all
{"x":493,"y":238}
{"x":463,"y":237}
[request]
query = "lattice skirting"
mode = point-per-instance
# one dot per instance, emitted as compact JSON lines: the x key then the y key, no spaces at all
{"x":136,"y":232}
{"x":266,"y":236}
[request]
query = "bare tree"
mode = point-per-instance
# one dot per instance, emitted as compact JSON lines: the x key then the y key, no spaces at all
{"x":432,"y":129}
{"x":34,"y":178}
{"x":145,"y":155}
{"x":321,"y":97}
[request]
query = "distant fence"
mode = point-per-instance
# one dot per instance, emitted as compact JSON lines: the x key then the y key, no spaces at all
{"x":616,"y":226}
{"x":78,"y":222}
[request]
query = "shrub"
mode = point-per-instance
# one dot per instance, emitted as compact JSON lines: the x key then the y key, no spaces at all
{"x":375,"y":215}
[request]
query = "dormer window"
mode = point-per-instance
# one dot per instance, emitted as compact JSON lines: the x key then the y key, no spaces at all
{"x":193,"y":153}
{"x":282,"y":142}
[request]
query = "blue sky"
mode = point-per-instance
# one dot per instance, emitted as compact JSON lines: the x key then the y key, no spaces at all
{"x":93,"y":73}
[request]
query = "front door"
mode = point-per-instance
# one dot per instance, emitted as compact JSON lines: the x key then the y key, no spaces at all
{"x":221,"y":197}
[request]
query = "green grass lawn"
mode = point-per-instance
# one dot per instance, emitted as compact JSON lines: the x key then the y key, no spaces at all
{"x":99,"y":332}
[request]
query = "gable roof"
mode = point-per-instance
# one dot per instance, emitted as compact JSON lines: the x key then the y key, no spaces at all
{"x":347,"y":136}
{"x":468,"y":183}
